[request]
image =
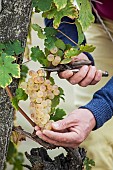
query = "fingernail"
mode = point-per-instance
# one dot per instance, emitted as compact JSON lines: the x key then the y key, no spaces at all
{"x":56,"y":125}
{"x":86,"y":68}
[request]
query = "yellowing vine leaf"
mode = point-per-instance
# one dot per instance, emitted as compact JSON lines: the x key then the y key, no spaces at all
{"x":70,"y":10}
{"x":8,"y":70}
{"x":85,"y":14}
{"x":60,"y":4}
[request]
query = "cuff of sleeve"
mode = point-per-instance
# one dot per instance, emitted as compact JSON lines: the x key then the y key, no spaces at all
{"x":101,"y":111}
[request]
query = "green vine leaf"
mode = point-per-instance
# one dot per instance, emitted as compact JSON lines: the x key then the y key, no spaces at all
{"x":13,"y":48}
{"x":38,"y":55}
{"x":87,"y":48}
{"x":50,"y":31}
{"x":85,"y":14}
{"x":8,"y":70}
{"x":80,"y":32}
{"x":60,"y":44}
{"x":14,"y":158}
{"x":44,"y":5}
{"x":88,"y":163}
{"x":66,"y":61}
{"x":58,"y":115}
{"x":20,"y":95}
{"x":55,"y":101}
{"x":74,"y":51}
{"x":23,"y":73}
{"x":70,"y":10}
{"x":60,"y":4}
{"x":39,"y":30}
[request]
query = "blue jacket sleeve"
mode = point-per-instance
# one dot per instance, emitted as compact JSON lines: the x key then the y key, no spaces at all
{"x":70,"y":30}
{"x":102,"y":104}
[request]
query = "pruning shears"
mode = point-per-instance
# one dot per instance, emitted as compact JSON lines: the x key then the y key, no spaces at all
{"x":73,"y":66}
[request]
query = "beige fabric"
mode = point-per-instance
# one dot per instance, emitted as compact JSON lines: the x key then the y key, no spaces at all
{"x":99,"y":144}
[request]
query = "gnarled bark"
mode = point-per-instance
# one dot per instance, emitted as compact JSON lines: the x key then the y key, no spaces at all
{"x":14,"y":21}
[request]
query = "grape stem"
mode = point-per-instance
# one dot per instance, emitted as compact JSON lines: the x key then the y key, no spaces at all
{"x":34,"y":138}
{"x":19,"y":109}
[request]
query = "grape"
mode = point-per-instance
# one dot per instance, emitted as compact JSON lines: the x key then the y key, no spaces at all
{"x":41,"y":73}
{"x":54,"y":50}
{"x":32,"y":73}
{"x":57,"y":59}
{"x":56,"y":92}
{"x":23,"y":85}
{"x":49,"y":102}
{"x":47,"y":82}
{"x":41,"y":93}
{"x":54,"y":63}
{"x":50,"y":57}
{"x":38,"y":100}
{"x":48,"y":125}
{"x":55,"y":87}
{"x":44,"y":103}
{"x":42,"y":87}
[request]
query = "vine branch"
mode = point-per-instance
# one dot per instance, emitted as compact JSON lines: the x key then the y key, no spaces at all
{"x":19,"y":109}
{"x":34,"y":138}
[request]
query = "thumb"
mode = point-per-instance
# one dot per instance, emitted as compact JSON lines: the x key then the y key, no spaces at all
{"x":63,"y":124}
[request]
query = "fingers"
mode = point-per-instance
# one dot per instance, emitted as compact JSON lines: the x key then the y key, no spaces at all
{"x":50,"y":138}
{"x":78,"y":77}
{"x":65,"y":74}
{"x":97,"y":78}
{"x":88,"y":75}
{"x":64,"y":124}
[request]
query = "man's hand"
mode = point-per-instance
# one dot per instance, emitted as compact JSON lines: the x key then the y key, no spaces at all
{"x":71,"y":131}
{"x":88,"y":75}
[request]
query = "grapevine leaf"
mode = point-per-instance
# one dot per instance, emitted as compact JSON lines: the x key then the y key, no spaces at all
{"x":44,"y":5}
{"x":23,"y":73}
{"x":60,"y":53}
{"x":12,"y":48}
{"x":8,"y":70}
{"x":80,"y":32}
{"x":34,"y":3}
{"x":15,"y":103}
{"x":58,"y":115}
{"x":66,"y":61}
{"x":21,"y":95}
{"x":88,"y":163}
{"x":72,"y":52}
{"x":50,"y":37}
{"x":52,"y":80}
{"x":55,"y":101}
{"x":85,"y":14}
{"x":70,"y":10}
{"x":60,"y":44}
{"x":87,"y":48}
{"x":38,"y":54}
{"x":14,"y":157}
{"x":16,"y":137}
{"x":39,"y":30}
{"x":60,"y":4}
{"x":61,"y":93}
{"x":50,"y":31}
{"x":2,"y":46}
{"x":50,"y":42}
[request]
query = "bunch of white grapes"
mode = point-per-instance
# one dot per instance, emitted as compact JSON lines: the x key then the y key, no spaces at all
{"x":41,"y":92}
{"x":53,"y":57}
